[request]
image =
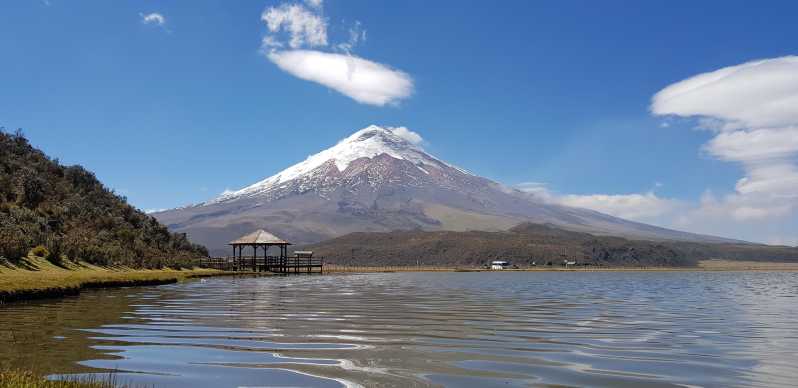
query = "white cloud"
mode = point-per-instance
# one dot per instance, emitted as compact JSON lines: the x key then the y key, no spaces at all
{"x":756,"y":145}
{"x":636,"y":206}
{"x":729,"y":216}
{"x":404,"y":133}
{"x":317,"y":4}
{"x":364,"y":81}
{"x":150,"y":211}
{"x":630,"y":206}
{"x":304,"y":26}
{"x":783,"y":240}
{"x":775,"y":179}
{"x":153,"y":18}
{"x":758,"y":94}
{"x":731,"y":207}
{"x":270,"y":42}
{"x":539,"y":191}
{"x":753,"y":110}
{"x":356,"y":35}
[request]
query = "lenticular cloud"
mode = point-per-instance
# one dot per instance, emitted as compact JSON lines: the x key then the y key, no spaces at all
{"x":751,"y":107}
{"x":364,"y":81}
{"x":758,"y":94}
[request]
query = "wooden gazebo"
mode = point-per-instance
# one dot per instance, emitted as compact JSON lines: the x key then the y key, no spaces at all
{"x":261,"y":239}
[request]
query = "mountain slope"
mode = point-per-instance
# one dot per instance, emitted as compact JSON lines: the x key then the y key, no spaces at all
{"x":381,"y":179}
{"x":69,"y":212}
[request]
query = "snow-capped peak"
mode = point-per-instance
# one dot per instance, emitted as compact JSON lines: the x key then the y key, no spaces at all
{"x":397,"y":142}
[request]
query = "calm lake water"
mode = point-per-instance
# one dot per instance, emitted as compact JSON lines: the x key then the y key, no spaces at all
{"x":714,"y":329}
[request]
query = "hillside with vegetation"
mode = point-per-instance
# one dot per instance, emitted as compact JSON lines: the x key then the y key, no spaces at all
{"x":530,"y":243}
{"x":65,"y":213}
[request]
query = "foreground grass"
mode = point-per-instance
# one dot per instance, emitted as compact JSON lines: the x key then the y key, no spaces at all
{"x":36,"y":278}
{"x":22,"y":379}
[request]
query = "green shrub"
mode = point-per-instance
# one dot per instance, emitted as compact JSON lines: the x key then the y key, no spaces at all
{"x":66,"y":210}
{"x":40,"y":251}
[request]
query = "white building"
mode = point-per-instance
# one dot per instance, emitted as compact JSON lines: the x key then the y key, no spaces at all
{"x":499,"y":264}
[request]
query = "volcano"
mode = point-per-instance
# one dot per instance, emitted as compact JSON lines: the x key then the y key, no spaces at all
{"x":381,"y":179}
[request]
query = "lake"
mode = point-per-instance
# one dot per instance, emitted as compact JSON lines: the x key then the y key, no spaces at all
{"x":614,"y":329}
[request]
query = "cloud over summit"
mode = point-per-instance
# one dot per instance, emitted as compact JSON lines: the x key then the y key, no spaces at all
{"x":362,"y":80}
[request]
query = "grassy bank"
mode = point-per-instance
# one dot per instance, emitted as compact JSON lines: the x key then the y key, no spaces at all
{"x":23,"y":379}
{"x":36,"y":278}
{"x":741,"y":265}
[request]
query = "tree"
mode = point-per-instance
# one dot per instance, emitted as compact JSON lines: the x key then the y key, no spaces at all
{"x":67,"y":210}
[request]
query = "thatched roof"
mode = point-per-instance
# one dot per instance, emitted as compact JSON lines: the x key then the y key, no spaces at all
{"x":259,"y":237}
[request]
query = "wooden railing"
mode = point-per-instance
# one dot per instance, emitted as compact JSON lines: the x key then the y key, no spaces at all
{"x":270,"y":263}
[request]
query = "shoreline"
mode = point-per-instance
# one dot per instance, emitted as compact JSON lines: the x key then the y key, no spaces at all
{"x":35,"y":278}
{"x":712,"y":265}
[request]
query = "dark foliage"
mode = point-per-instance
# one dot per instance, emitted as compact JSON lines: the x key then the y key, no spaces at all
{"x":66,"y":210}
{"x":528,"y":243}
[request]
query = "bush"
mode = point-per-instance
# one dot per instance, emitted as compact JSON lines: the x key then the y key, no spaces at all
{"x":13,"y":245}
{"x":71,"y":214}
{"x":39,"y":251}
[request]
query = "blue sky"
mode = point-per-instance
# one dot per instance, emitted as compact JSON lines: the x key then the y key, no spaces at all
{"x":554,"y":97}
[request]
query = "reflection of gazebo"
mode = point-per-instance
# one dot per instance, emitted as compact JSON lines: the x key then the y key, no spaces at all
{"x":261,"y":239}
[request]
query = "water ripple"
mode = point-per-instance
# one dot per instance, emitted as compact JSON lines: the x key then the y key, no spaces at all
{"x":427,"y":329}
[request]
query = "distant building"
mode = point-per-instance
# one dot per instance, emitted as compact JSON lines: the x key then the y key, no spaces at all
{"x":499,"y":264}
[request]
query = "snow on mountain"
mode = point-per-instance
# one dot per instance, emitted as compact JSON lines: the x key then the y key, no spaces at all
{"x":369,"y":142}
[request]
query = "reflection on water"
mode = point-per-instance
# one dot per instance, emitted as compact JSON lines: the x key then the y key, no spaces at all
{"x":422,"y":329}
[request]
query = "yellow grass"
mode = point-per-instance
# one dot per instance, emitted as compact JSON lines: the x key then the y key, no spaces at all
{"x":24,"y":379}
{"x":37,"y":278}
{"x":733,"y":265}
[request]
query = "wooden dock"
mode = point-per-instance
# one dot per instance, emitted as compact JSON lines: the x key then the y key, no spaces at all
{"x":276,"y":264}
{"x":260,"y":241}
